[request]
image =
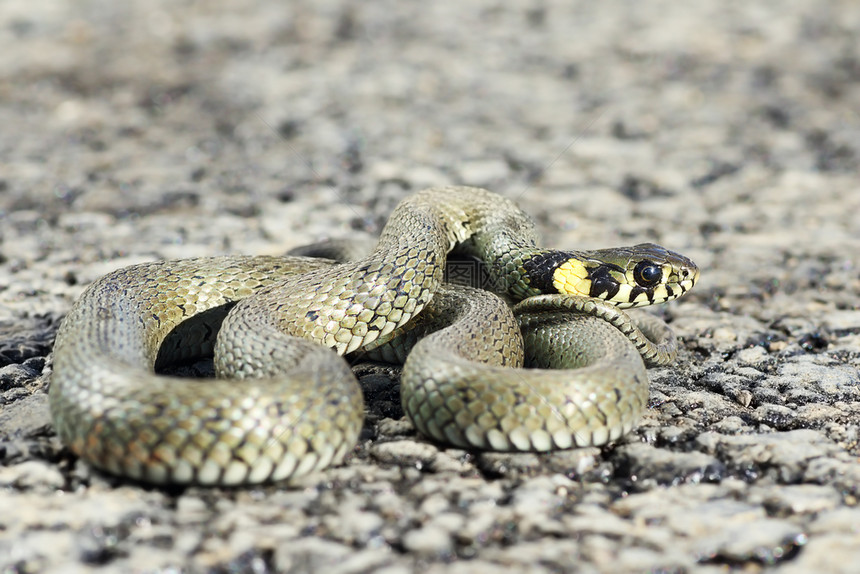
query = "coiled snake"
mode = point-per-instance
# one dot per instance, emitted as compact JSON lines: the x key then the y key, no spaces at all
{"x":302,"y":408}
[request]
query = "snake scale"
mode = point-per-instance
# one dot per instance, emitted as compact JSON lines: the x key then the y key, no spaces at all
{"x":564,"y":369}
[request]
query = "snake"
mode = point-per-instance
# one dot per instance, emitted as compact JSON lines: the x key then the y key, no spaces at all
{"x":543,"y":352}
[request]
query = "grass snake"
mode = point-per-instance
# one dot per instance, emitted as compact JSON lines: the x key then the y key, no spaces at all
{"x":564,"y":369}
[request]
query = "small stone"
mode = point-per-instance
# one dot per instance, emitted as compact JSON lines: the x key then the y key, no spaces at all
{"x":766,"y":541}
{"x":725,"y":335}
{"x":743,"y":397}
{"x":484,"y":173}
{"x":15,"y":376}
{"x":353,"y":526}
{"x":643,"y":462}
{"x":842,"y":320}
{"x":752,"y":355}
{"x":428,"y":540}
{"x":405,"y":452}
{"x":797,"y":499}
{"x":310,"y":554}
{"x":31,"y":474}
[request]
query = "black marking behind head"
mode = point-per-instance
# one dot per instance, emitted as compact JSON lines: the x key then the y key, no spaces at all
{"x":540,"y":268}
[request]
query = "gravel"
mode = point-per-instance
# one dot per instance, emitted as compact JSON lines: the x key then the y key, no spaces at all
{"x":729,"y":132}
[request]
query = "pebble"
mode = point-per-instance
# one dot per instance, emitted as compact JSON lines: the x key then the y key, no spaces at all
{"x":797,"y":499}
{"x":32,"y":474}
{"x":487,"y":173}
{"x":764,"y":540}
{"x":432,"y":540}
{"x":752,"y":355}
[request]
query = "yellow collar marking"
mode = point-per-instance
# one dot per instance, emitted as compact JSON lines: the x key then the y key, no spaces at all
{"x":571,"y":277}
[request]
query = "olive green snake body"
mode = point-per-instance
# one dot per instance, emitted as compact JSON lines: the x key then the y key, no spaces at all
{"x":284,"y":405}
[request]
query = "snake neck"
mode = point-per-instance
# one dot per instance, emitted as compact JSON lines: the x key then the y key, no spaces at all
{"x":472,"y":221}
{"x":463,"y":220}
{"x":513,"y":266}
{"x":526,"y":272}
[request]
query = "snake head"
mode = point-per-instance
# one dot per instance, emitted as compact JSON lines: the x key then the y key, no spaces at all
{"x":633,"y":276}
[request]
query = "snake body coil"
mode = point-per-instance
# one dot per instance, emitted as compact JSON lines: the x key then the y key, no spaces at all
{"x":274,"y":320}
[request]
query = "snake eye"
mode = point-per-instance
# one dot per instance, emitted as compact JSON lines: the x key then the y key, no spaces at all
{"x":647,"y":274}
